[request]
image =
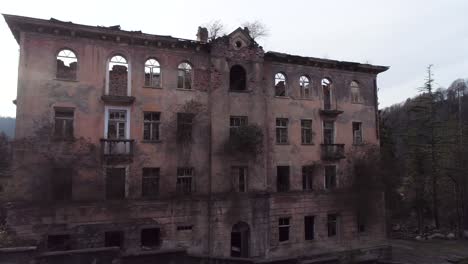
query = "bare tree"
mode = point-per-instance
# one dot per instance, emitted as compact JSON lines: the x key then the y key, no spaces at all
{"x":215,"y":29}
{"x":256,"y":29}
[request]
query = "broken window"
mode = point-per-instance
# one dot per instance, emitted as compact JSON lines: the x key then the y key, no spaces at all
{"x":280,"y":84}
{"x":58,"y":242}
{"x":235,"y":122}
{"x":355,"y":92}
{"x":309,"y":227}
{"x":327,"y":93}
{"x":184,"y":76}
{"x":281,"y":130}
{"x":151,"y":124}
{"x":150,"y":237}
{"x":237,"y":78}
{"x":117,"y":124}
{"x":150,"y":182}
{"x":357,"y":133}
{"x":240,"y":175}
{"x":185,"y":183}
{"x":283,"y":229}
{"x":307,"y":177}
{"x":332,"y":224}
{"x":304,"y":82}
{"x":184,"y":227}
{"x":328,"y":132}
{"x":118,"y":76}
{"x":184,"y":126}
{"x":67,"y":65}
{"x":152,"y":73}
{"x":115,"y":183}
{"x":63,"y":123}
{"x":330,"y":176}
{"x":113,"y":239}
{"x":282,"y":178}
{"x":61,"y":184}
{"x":306,"y":131}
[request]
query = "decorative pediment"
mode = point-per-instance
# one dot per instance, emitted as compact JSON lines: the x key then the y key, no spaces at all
{"x":240,"y":38}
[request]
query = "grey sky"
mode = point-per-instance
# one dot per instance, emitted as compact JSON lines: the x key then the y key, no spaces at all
{"x":406,"y":35}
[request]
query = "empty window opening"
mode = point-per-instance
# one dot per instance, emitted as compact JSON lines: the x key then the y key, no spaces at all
{"x":115,"y":183}
{"x":240,"y":176}
{"x":184,"y":126}
{"x":240,"y":236}
{"x":184,"y":76}
{"x":281,"y":130}
{"x":355,"y":92}
{"x":307,"y":178}
{"x":282,"y":178}
{"x":61,"y":184}
{"x":67,"y":65}
{"x":150,"y":182}
{"x":280,"y":84}
{"x":328,"y":132}
{"x":184,"y":227}
{"x":309,"y":227}
{"x":117,"y":124}
{"x":58,"y":242}
{"x":235,"y":122}
{"x":185,"y":182}
{"x":304,"y":83}
{"x":237,"y":78}
{"x":118,"y":76}
{"x":152,"y":73}
{"x":361,"y":222}
{"x":330,"y":176}
{"x":151,"y":125}
{"x":283,"y":229}
{"x":150,"y":237}
{"x":113,"y":239}
{"x":327,"y":93}
{"x":63,"y":123}
{"x":332,"y":225}
{"x":306,"y":131}
{"x":357,"y":133}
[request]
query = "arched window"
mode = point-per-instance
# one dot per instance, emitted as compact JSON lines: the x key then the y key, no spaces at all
{"x":355,"y":93}
{"x":280,"y":84}
{"x":118,"y":76}
{"x":237,"y":78}
{"x":304,"y":82}
{"x":327,"y":93}
{"x":184,"y":76}
{"x":67,"y":65}
{"x":152,"y":73}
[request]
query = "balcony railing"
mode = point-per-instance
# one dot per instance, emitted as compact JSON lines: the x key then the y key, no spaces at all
{"x":117,"y":148}
{"x":333,"y":151}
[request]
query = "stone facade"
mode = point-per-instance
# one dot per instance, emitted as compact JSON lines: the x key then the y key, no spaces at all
{"x":201,"y":222}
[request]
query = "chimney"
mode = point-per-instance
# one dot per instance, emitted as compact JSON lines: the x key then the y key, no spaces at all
{"x":202,"y":34}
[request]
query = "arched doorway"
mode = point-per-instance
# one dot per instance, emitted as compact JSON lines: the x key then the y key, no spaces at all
{"x":240,"y":236}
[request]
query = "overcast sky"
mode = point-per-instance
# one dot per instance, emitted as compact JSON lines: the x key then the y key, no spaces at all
{"x":405,"y":35}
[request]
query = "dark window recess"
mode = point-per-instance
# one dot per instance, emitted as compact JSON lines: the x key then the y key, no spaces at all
{"x":150,"y":182}
{"x":361,"y":223}
{"x":283,"y":229}
{"x":63,"y":123}
{"x":330,"y":176}
{"x":150,"y":237}
{"x":113,"y":239}
{"x":67,"y":65}
{"x":184,"y":76}
{"x":281,"y":130}
{"x":332,"y":225}
{"x":58,"y":242}
{"x":61,"y":184}
{"x":280,"y":84}
{"x":328,"y":132}
{"x":184,"y":126}
{"x":240,"y":178}
{"x":185,"y":184}
{"x":151,"y":121}
{"x":307,"y":177}
{"x":118,"y":76}
{"x":237,"y":78}
{"x":357,"y":133}
{"x":309,"y":222}
{"x":235,"y":122}
{"x":327,"y":95}
{"x":184,"y":227}
{"x":115,"y":183}
{"x":282,"y":178}
{"x":306,"y":131}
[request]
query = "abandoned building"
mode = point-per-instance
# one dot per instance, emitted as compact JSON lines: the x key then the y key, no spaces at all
{"x":213,"y":147}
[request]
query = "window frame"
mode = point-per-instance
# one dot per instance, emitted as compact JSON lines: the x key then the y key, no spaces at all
{"x":185,"y":124}
{"x":242,"y":121}
{"x":278,"y":77}
{"x":284,"y":223}
{"x":282,"y":131}
{"x":66,"y":122}
{"x":150,"y":176}
{"x":151,"y":68}
{"x":304,"y":79}
{"x":336,"y":225}
{"x":327,"y":185}
{"x":307,"y":178}
{"x":181,"y":182}
{"x":355,"y":91}
{"x":184,"y":76}
{"x":305,"y":130}
{"x":323,"y":83}
{"x":129,"y":73}
{"x":283,"y":185}
{"x":236,"y":177}
{"x":75,"y":77}
{"x":309,"y":236}
{"x":153,"y":125}
{"x":125,"y":190}
{"x":361,"y":139}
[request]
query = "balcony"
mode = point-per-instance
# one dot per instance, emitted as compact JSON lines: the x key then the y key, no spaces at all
{"x":333,"y":151}
{"x":118,"y":99}
{"x":117,"y":149}
{"x":330,"y":112}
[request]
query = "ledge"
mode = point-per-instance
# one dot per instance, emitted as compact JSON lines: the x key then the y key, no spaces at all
{"x":151,"y":141}
{"x":152,"y":87}
{"x":330,"y":113}
{"x":66,"y":80}
{"x":282,"y":97}
{"x":118,"y":99}
{"x":240,"y":91}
